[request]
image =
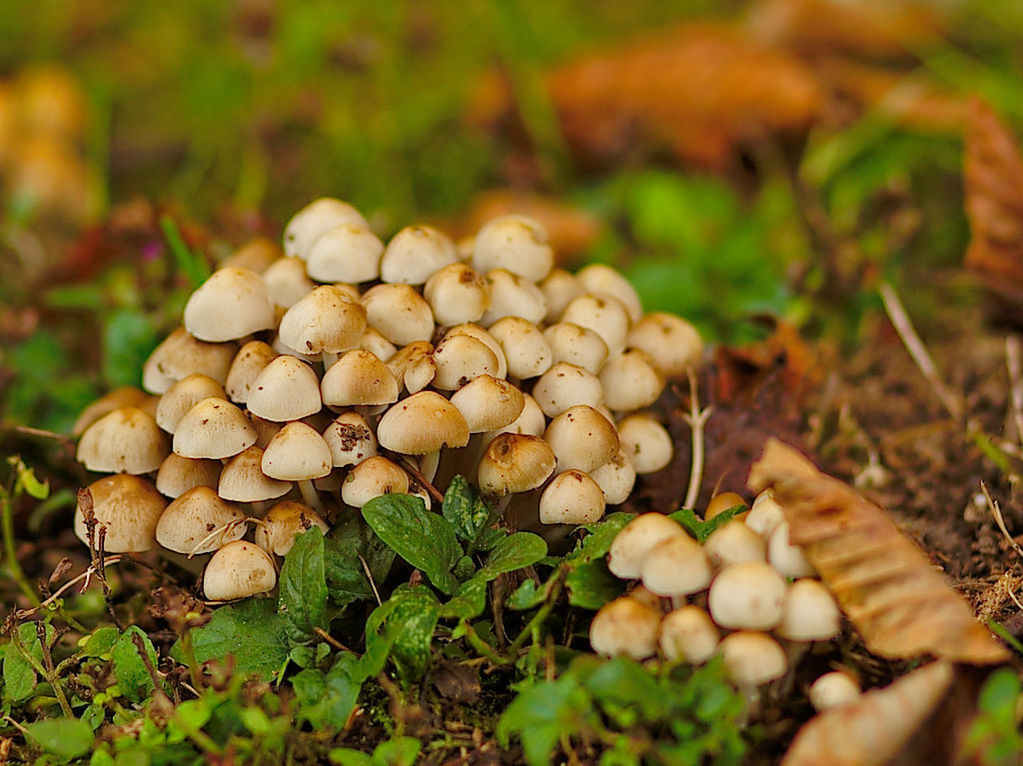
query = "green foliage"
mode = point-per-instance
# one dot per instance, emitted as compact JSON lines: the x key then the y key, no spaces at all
{"x":252,"y":632}
{"x":133,"y":678}
{"x":666,"y":714}
{"x":995,"y":737}
{"x":303,"y":586}
{"x":701,"y":529}
{"x":400,"y":751}
{"x":65,"y":738}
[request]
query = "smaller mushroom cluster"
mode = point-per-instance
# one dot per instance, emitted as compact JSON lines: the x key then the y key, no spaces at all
{"x":727,"y":596}
{"x":342,"y":369}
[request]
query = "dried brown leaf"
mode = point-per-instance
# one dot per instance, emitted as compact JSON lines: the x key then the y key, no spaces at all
{"x":887,"y":587}
{"x":993,"y":177}
{"x":875,"y":728}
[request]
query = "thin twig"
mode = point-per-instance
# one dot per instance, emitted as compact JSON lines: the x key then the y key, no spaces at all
{"x":696,"y":419}
{"x":904,"y":327}
{"x":410,"y":465}
{"x":148,"y":662}
{"x":30,"y":431}
{"x":1015,"y":370}
{"x":330,"y":639}
{"x":51,"y":674}
{"x":369,"y":576}
{"x":996,"y":512}
{"x":222,"y":530}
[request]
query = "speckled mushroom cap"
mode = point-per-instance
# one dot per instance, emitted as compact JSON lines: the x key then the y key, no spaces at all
{"x":127,"y":440}
{"x":188,"y":524}
{"x":128,"y":508}
{"x":422,"y":423}
{"x":283,"y":523}
{"x":327,"y":319}
{"x":239,"y":570}
{"x":214,"y":428}
{"x":243,"y":480}
{"x":286,"y":389}
{"x":231,"y":304}
{"x":297,"y":453}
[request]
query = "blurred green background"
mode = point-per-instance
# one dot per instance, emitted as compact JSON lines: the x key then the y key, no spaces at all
{"x":225,"y":118}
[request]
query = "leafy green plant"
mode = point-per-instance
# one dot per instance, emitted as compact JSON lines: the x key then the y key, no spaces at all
{"x":995,"y":737}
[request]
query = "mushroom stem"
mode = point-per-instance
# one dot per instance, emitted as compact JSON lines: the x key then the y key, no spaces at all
{"x":221,"y":530}
{"x":191,"y":564}
{"x":328,"y":358}
{"x":310,"y":496}
{"x":696,"y":419}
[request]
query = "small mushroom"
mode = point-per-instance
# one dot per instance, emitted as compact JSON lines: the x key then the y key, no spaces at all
{"x":626,"y":627}
{"x":239,"y":570}
{"x":747,"y":596}
{"x":283,"y":523}
{"x":126,"y":509}
{"x":629,"y":549}
{"x":572,"y":498}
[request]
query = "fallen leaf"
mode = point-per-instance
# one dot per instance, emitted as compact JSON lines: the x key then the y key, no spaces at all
{"x":887,"y":587}
{"x":993,"y":178}
{"x":875,"y":728}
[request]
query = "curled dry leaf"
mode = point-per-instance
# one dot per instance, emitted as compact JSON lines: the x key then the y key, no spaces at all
{"x":875,"y":728}
{"x":886,"y":586}
{"x":993,"y":176}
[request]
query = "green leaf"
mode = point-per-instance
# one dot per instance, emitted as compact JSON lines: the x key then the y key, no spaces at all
{"x":189,"y":263}
{"x":19,"y":675}
{"x":252,"y":632}
{"x":543,"y":713}
{"x":468,"y":513}
{"x":129,"y":336}
{"x":350,"y":543}
{"x":425,"y":540}
{"x":515,"y":551}
{"x":701,"y":529}
{"x":100,"y":642}
{"x":625,"y":684}
{"x":401,"y":629}
{"x":591,"y":585}
{"x":596,"y":544}
{"x":526,"y":596}
{"x":469,"y":601}
{"x":399,"y":751}
{"x":303,"y":585}
{"x":27,"y":479}
{"x":132,"y":676}
{"x":346,"y":756}
{"x":328,"y":699}
{"x":64,"y":737}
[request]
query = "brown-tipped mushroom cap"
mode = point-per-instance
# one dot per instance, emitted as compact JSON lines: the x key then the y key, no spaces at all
{"x":214,"y":428}
{"x":629,"y":549}
{"x":297,"y":453}
{"x":128,"y":508}
{"x":460,"y":359}
{"x":346,"y":253}
{"x":238,"y":570}
{"x":422,"y":423}
{"x":243,"y":480}
{"x":487,"y":403}
{"x":631,"y":381}
{"x":283,"y":523}
{"x":671,"y":341}
{"x":647,"y":443}
{"x":179,"y":474}
{"x":515,"y":463}
{"x":315,"y":219}
{"x":125,"y":396}
{"x":747,"y":596}
{"x":722,"y":502}
{"x":350,"y":439}
{"x":582,"y":438}
{"x":752,"y":658}
{"x":127,"y":440}
{"x":286,"y":389}
{"x":180,"y":354}
{"x":627,"y":627}
{"x":189,"y":523}
{"x":231,"y":304}
{"x":414,"y":253}
{"x":688,"y":634}
{"x":398,"y":313}
{"x":358,"y":378}
{"x":371,"y":478}
{"x":251,"y":360}
{"x":571,"y":498}
{"x":327,"y":319}
{"x":183,"y":396}
{"x":457,"y":294}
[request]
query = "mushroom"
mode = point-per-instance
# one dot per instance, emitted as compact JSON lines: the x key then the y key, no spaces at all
{"x":415,"y":253}
{"x":604,"y":315}
{"x":358,"y":378}
{"x":286,"y":389}
{"x":516,"y":243}
{"x":576,"y":345}
{"x":723,"y":502}
{"x":565,"y":385}
{"x":178,"y":474}
{"x":599,"y":279}
{"x":283,"y":523}
{"x":350,"y":439}
{"x":582,"y":438}
{"x":125,"y":396}
{"x":214,"y":428}
{"x":199,"y":521}
{"x":764,"y":515}
{"x":626,"y":627}
{"x":647,"y":443}
{"x":560,"y":288}
{"x":243,"y":480}
{"x":833,"y":690}
{"x":488,"y":403}
{"x":688,"y":634}
{"x":348,"y":252}
{"x":298,"y":453}
{"x":422,"y":423}
{"x":512,"y":295}
{"x":734,"y":543}
{"x":457,"y":294}
{"x":373,"y":477}
{"x":675,"y":567}
{"x":515,"y":463}
{"x":747,"y":596}
{"x":314,"y":220}
{"x":326,"y":320}
{"x":787,"y":558}
{"x":239,"y":570}
{"x":251,"y":360}
{"x":752,"y":659}
{"x":287,"y":282}
{"x":571,"y":498}
{"x":631,"y":381}
{"x":126,"y":510}
{"x":127,"y":440}
{"x":671,"y":342}
{"x":525,"y":347}
{"x":809,"y":612}
{"x":398,"y":313}
{"x":182,"y":396}
{"x":630,"y":547}
{"x":231,"y":304}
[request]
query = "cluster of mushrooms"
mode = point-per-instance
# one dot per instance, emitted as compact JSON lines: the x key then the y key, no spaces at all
{"x":303,"y":384}
{"x":747,"y":580}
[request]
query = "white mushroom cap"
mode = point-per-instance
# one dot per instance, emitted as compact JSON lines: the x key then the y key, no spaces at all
{"x":297,"y":453}
{"x":420,"y":372}
{"x":488,"y":403}
{"x":734,"y":543}
{"x":125,"y":396}
{"x":688,"y":634}
{"x":181,"y":354}
{"x":565,"y":385}
{"x":630,"y":548}
{"x":525,"y":347}
{"x":515,"y":463}
{"x":373,"y":477}
{"x":616,"y":478}
{"x":764,"y":515}
{"x":347,"y":252}
{"x":513,"y":296}
{"x":287,"y":282}
{"x":238,"y":570}
{"x":286,"y":389}
{"x":647,"y":443}
{"x":283,"y":523}
{"x":422,"y":423}
{"x":477,"y":332}
{"x":833,"y":690}
{"x":560,"y":288}
{"x":604,"y":315}
{"x":128,"y":508}
{"x":243,"y":480}
{"x":231,"y":304}
{"x":598,"y":279}
{"x":407,"y":356}
{"x":350,"y":439}
{"x":265,"y":429}
{"x":193,"y":518}
{"x":576,"y":345}
{"x":358,"y":378}
{"x":182,"y":396}
{"x":516,"y":243}
{"x":457,"y":294}
{"x":631,"y":381}
{"x":214,"y":428}
{"x":179,"y":474}
{"x":377,"y":345}
{"x":787,"y":558}
{"x":582,"y":438}
{"x":398,"y":313}
{"x":571,"y":498}
{"x":257,"y":255}
{"x":251,"y":360}
{"x":281,"y":347}
{"x":752,"y":659}
{"x":327,"y":319}
{"x":460,"y":359}
{"x":530,"y":421}
{"x":627,"y":627}
{"x":747,"y":596}
{"x":671,"y":341}
{"x":316,"y":218}
{"x":127,"y":440}
{"x":809,"y":612}
{"x":676,"y":567}
{"x":416,"y":252}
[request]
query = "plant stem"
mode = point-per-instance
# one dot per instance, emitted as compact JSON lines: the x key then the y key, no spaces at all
{"x":13,"y":567}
